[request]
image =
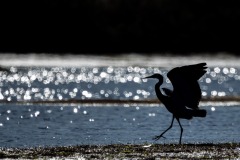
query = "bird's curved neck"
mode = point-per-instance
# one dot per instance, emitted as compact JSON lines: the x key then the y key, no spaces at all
{"x":159,"y":94}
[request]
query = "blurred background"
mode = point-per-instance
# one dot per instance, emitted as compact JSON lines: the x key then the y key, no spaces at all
{"x":114,"y":26}
{"x":75,"y":70}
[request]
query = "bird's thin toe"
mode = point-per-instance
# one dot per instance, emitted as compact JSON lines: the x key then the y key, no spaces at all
{"x":158,"y":137}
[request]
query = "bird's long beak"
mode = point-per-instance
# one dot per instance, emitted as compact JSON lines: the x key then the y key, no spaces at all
{"x":147,"y":77}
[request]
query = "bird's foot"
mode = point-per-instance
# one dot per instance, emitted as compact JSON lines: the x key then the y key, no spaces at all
{"x":158,"y":137}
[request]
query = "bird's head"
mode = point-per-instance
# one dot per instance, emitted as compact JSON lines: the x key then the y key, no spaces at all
{"x":156,"y":76}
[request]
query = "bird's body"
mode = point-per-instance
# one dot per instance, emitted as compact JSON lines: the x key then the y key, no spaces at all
{"x":183,"y":101}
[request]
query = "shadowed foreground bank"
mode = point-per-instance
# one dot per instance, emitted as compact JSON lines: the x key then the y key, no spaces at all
{"x":196,"y":151}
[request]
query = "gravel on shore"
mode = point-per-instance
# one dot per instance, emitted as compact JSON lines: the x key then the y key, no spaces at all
{"x":127,"y":151}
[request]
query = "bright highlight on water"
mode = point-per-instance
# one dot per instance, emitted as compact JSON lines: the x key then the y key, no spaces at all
{"x":60,"y":83}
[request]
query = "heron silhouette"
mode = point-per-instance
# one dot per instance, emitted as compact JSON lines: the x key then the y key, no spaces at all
{"x":183,"y":101}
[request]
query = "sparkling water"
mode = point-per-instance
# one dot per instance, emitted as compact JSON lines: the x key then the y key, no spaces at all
{"x":25,"y":121}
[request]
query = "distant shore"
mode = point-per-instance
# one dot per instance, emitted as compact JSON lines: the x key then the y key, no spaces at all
{"x":128,"y":151}
{"x":161,"y":60}
{"x":225,"y":99}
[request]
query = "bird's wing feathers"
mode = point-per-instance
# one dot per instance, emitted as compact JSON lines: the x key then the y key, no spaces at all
{"x":185,"y":83}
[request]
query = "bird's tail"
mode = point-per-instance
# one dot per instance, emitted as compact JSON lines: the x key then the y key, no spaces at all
{"x":199,"y":113}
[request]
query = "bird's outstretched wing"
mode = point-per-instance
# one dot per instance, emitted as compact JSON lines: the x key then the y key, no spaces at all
{"x":185,"y":83}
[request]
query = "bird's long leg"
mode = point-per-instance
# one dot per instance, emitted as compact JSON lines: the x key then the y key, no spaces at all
{"x":161,"y":135}
{"x":180,"y":141}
